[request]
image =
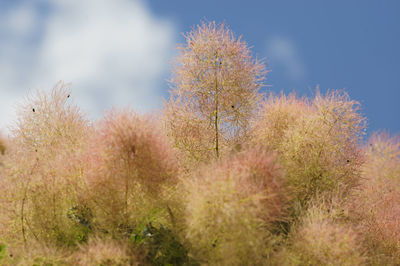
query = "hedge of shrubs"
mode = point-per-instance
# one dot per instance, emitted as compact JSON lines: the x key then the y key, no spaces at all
{"x":297,"y":185}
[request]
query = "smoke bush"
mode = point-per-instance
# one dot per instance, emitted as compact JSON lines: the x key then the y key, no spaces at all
{"x":188,"y":134}
{"x":38,"y":255}
{"x":375,"y":207}
{"x":321,"y":151}
{"x":322,"y":239}
{"x":132,"y":167}
{"x":221,"y":178}
{"x":276,"y":115}
{"x":104,"y":252}
{"x":42,"y":169}
{"x":230,"y":208}
{"x":215,"y":91}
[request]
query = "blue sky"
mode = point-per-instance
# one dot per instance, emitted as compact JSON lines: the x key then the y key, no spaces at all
{"x":117,"y":53}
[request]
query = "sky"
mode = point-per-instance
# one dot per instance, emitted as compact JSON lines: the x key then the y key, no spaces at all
{"x":118,"y":53}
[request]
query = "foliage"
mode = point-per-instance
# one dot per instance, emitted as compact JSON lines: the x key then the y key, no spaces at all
{"x":223,"y":176}
{"x":104,"y":252}
{"x":276,"y":115}
{"x":214,"y":92}
{"x":2,"y":146}
{"x":38,"y":255}
{"x":230,"y":208}
{"x":161,"y":246}
{"x":132,"y":168}
{"x":375,"y":207}
{"x":322,"y":239}
{"x":3,"y":252}
{"x":43,"y":170}
{"x":321,"y":152}
{"x":317,"y":142}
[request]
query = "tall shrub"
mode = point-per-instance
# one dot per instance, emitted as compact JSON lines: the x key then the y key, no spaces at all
{"x":42,"y":169}
{"x":320,"y":152}
{"x":231,"y":207}
{"x":132,"y":168}
{"x":276,"y":115}
{"x":375,"y":205}
{"x":323,"y":238}
{"x":214,"y":92}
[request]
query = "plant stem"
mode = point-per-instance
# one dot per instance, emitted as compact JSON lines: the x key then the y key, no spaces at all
{"x":127,"y":189}
{"x":23,"y":218}
{"x":22,"y":215}
{"x":216,"y":112}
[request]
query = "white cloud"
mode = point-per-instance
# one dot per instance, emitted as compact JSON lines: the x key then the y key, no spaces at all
{"x":283,"y":52}
{"x":21,"y":21}
{"x":113,"y":52}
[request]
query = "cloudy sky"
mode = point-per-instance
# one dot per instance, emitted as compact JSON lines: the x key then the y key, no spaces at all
{"x":118,"y":52}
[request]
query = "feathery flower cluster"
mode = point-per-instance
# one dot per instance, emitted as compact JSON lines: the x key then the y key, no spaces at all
{"x":223,"y":176}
